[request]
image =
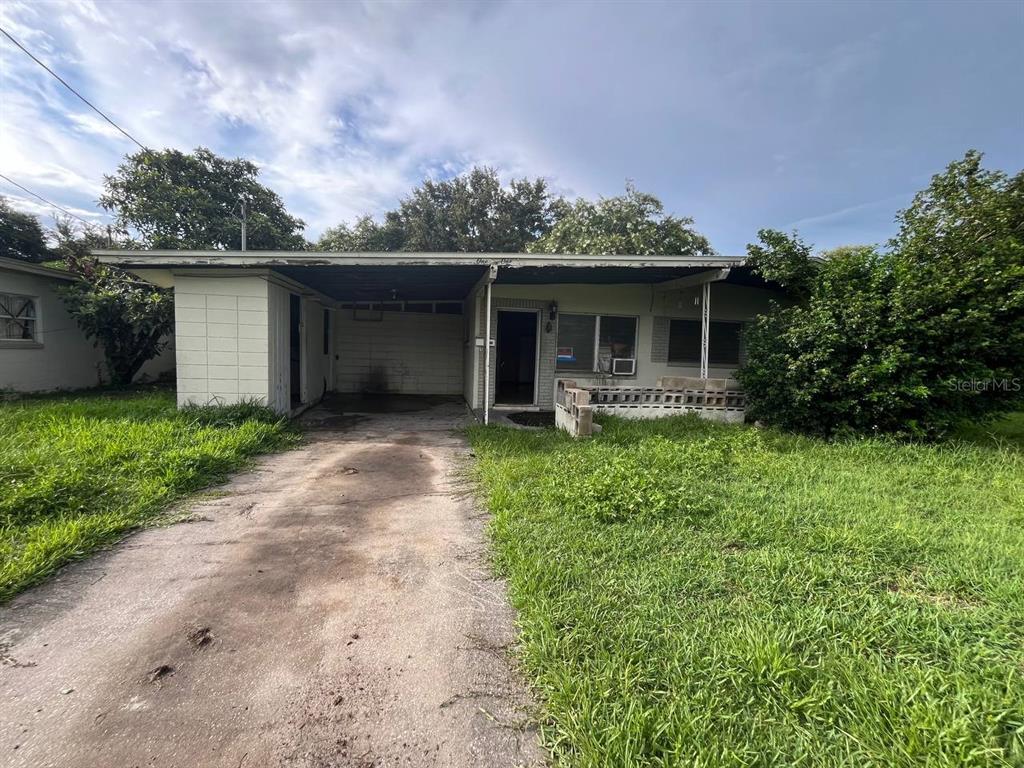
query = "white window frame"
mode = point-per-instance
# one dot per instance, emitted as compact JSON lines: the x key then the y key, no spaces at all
{"x":37,"y":336}
{"x":597,"y":341}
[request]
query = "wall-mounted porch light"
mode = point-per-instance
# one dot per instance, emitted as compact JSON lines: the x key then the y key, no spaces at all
{"x":552,"y":314}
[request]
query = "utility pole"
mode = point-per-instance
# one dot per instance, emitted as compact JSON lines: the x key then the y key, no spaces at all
{"x":243,"y":223}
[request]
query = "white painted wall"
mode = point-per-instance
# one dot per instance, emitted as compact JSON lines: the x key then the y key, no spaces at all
{"x":278,"y":340}
{"x":316,"y":363}
{"x":404,"y":352}
{"x":222,"y":339}
{"x":63,"y":358}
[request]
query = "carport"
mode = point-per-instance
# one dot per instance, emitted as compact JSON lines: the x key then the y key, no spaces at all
{"x":498,"y":329}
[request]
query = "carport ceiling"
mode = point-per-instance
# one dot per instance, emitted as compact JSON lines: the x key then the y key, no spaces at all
{"x":425,"y":282}
{"x":592,"y":275}
{"x":401,"y":283}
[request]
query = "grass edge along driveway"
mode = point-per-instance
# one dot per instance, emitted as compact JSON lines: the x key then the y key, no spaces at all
{"x":79,"y":471}
{"x":699,"y":594}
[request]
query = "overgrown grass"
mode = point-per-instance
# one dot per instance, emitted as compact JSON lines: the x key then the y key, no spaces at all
{"x":79,"y":471}
{"x":710,"y":595}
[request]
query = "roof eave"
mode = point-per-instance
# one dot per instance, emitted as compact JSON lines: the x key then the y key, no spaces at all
{"x":32,"y":268}
{"x":181,"y":258}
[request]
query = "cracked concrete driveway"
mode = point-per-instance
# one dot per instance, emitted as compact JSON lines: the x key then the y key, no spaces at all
{"x":331,"y":607}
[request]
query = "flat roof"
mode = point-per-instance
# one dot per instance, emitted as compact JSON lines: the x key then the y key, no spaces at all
{"x":184,"y":258}
{"x":33,"y":268}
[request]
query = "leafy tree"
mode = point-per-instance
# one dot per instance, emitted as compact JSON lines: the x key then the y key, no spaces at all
{"x":784,"y":260}
{"x":178,"y":200}
{"x":131,"y":320}
{"x":21,"y":236}
{"x":472,"y":212}
{"x":909,"y":340}
{"x":633,"y":223}
{"x":364,"y":235}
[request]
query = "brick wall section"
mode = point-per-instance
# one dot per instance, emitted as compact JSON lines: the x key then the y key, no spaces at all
{"x":220,"y":327}
{"x":659,"y":340}
{"x":404,"y":352}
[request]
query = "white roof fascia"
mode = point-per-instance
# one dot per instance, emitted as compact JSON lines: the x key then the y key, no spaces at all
{"x":17,"y":265}
{"x":708,"y":276}
{"x":400,"y":258}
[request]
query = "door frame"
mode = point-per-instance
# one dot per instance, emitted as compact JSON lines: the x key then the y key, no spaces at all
{"x":298,"y":401}
{"x":536,"y":358}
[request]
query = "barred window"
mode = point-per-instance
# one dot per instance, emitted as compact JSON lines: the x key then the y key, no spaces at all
{"x":723,"y":343}
{"x":18,"y":318}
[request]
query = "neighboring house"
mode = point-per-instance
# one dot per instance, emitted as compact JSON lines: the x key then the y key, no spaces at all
{"x":286,"y":327}
{"x":41,"y":346}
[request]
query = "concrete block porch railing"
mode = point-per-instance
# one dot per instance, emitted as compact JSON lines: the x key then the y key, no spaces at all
{"x":717,"y":399}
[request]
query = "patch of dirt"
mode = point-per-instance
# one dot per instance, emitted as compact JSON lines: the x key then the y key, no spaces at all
{"x":159,"y":673}
{"x":199,"y":638}
{"x":533,"y":418}
{"x":912,"y":587}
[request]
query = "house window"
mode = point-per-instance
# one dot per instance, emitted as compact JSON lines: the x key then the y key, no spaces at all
{"x":18,"y":318}
{"x":723,"y":343}
{"x":589,"y":342}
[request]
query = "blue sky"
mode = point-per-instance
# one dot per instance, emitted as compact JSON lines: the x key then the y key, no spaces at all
{"x":821,"y":117}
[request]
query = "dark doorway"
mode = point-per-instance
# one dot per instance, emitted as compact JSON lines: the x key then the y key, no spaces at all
{"x":295,"y":349}
{"x":517,"y":358}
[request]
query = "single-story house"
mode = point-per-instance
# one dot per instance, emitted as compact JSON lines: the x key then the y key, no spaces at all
{"x":41,"y":347}
{"x":500,"y":330}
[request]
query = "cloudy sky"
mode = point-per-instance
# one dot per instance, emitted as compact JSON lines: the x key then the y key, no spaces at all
{"x":820,"y":117}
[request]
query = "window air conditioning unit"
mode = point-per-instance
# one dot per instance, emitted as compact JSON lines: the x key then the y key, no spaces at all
{"x":623,"y":366}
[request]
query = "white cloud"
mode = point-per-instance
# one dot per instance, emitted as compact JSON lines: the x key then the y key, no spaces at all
{"x":741,"y":116}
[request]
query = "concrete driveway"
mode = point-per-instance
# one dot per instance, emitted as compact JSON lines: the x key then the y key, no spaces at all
{"x":332,"y":607}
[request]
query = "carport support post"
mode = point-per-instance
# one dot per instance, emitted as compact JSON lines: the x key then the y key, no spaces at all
{"x":705,"y":328}
{"x":487,"y":359}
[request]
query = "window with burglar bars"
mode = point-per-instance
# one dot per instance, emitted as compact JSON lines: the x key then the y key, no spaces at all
{"x":723,"y":342}
{"x":18,"y":318}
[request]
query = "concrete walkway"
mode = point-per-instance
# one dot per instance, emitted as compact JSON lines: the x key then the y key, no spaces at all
{"x":332,"y":607}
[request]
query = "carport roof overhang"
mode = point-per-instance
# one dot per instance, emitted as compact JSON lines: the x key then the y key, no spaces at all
{"x":412,"y":276}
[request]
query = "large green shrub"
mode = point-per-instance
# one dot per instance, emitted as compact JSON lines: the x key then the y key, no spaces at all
{"x":909,"y":340}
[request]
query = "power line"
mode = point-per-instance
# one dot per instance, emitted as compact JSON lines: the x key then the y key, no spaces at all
{"x":64,"y":82}
{"x":99,"y":112}
{"x":40,"y":197}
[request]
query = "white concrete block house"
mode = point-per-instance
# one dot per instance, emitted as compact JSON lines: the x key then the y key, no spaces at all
{"x":287,"y":327}
{"x":41,"y":347}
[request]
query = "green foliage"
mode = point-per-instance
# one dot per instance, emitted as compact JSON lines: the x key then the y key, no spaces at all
{"x":21,"y":236}
{"x":471,"y":212}
{"x":178,"y":200}
{"x":633,"y":223}
{"x":790,"y":602}
{"x":364,"y":235}
{"x":784,"y":260}
{"x":129,"y":319}
{"x":613,"y":483}
{"x":81,"y":471}
{"x":908,"y":341}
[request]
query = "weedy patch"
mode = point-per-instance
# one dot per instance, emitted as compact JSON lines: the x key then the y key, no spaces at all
{"x":699,"y":594}
{"x":79,"y":471}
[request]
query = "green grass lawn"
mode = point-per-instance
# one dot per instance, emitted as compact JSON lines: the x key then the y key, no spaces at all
{"x":700,"y":594}
{"x":79,"y":471}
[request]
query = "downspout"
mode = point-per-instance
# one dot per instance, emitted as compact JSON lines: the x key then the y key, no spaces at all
{"x":487,"y":358}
